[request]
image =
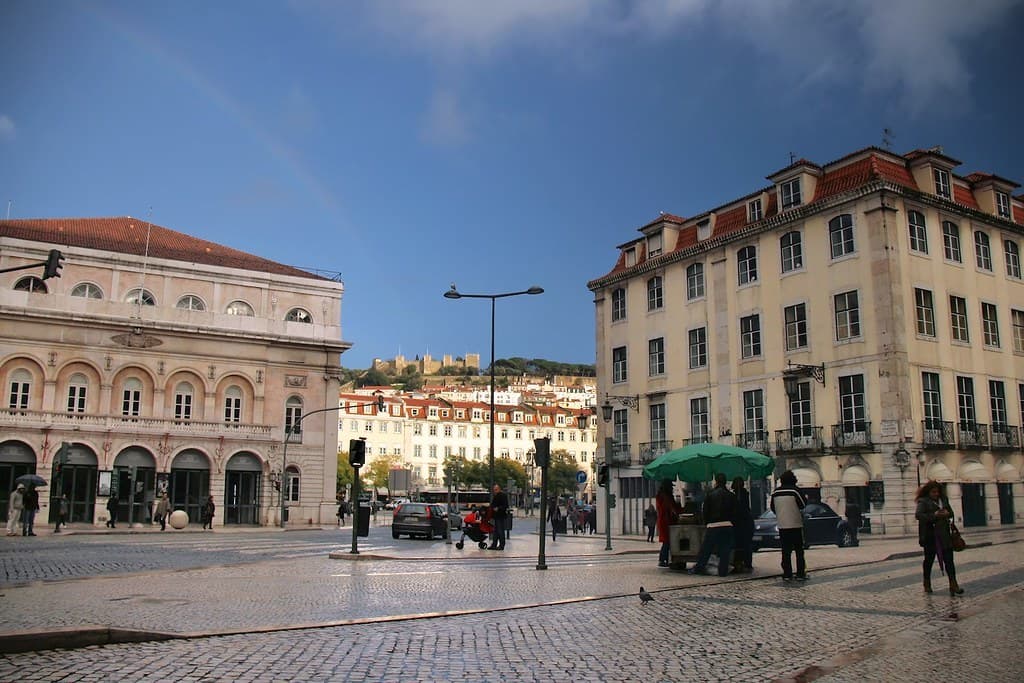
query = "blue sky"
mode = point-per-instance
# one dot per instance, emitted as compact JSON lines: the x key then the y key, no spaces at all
{"x":409,"y":145}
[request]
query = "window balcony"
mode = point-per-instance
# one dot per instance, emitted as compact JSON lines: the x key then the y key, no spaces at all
{"x":973,"y":435}
{"x":937,"y":434}
{"x":139,"y":424}
{"x":753,"y":441}
{"x":851,"y":434}
{"x":799,"y":440}
{"x":652,"y":449}
{"x":620,"y":454}
{"x":1005,"y":437}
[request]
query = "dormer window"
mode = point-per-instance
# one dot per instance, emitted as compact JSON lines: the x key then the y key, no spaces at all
{"x":1002,"y":204}
{"x":942,"y":187}
{"x":790,"y":191}
{"x":754,"y":211}
{"x":630,"y":257}
{"x":704,"y":229}
{"x":654,"y":245}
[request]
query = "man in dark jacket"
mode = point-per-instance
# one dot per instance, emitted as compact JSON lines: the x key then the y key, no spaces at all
{"x":499,"y":517}
{"x":719,"y":511}
{"x":854,"y":518}
{"x":30,"y":501}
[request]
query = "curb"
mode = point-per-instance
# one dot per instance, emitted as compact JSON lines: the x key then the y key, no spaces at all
{"x":74,"y":637}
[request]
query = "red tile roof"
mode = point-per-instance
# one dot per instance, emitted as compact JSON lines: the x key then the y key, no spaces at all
{"x":730,"y":221}
{"x":1018,"y":214}
{"x":963,"y":195}
{"x":127,"y":235}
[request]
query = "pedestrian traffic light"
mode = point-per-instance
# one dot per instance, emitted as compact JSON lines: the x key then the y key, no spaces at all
{"x":380,"y":403}
{"x":542,"y":451}
{"x":53,"y":264}
{"x":611,"y":500}
{"x":602,"y":475}
{"x":357,"y":452}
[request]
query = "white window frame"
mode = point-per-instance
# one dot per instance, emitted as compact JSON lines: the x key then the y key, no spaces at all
{"x":697,"y":347}
{"x":982,"y":250}
{"x":959,"y":320}
{"x":847,"y":315}
{"x":620,"y":369}
{"x":1017,"y":316}
{"x":754,"y":212}
{"x":795,"y":326}
{"x":655,"y":244}
{"x":695,"y":281}
{"x":791,"y":247}
{"x":942,"y":186}
{"x":924,"y":312}
{"x":746,"y":265}
{"x":990,"y":324}
{"x":750,"y":336}
{"x":790,"y":194}
{"x":655,"y":293}
{"x":656,"y":357}
{"x":917,"y":229}
{"x":618,"y":304}
{"x":1011,"y":254}
{"x":841,"y":236}
{"x":951,"y":248}
{"x":1002,"y":205}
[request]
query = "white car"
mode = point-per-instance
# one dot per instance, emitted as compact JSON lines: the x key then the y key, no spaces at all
{"x":392,"y":504}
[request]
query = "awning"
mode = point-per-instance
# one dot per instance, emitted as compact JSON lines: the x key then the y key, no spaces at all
{"x":1007,"y":473}
{"x":807,"y":478}
{"x":974,"y":471}
{"x":938,"y":472}
{"x":855,"y":475}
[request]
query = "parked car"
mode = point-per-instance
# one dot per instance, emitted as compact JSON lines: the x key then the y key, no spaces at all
{"x":822,"y":526}
{"x":422,"y":519}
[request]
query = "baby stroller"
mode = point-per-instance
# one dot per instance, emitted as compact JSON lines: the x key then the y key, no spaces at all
{"x":477,"y":529}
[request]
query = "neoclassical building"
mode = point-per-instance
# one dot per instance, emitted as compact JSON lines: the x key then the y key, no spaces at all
{"x":166,"y":363}
{"x":861,"y":321}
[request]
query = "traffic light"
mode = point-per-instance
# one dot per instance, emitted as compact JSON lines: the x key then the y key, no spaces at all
{"x":542,"y":451}
{"x":602,"y":475}
{"x":380,"y":403}
{"x":356,"y":452}
{"x":611,"y":500}
{"x":53,"y":264}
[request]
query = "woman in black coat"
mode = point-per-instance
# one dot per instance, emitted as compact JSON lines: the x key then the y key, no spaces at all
{"x":933,"y":519}
{"x":743,"y":527}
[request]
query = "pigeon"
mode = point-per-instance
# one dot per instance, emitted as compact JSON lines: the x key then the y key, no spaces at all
{"x":645,"y":597}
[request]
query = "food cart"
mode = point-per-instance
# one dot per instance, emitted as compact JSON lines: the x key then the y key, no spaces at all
{"x":685,"y":538}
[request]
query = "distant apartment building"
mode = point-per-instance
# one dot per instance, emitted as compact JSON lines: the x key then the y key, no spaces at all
{"x":421,"y":432}
{"x":861,"y":321}
{"x":168,"y":364}
{"x":428,"y":365}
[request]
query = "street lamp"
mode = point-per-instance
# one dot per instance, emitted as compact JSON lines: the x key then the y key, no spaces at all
{"x":454,"y":293}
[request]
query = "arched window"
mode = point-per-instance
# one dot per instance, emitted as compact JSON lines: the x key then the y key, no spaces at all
{"x":840,"y":235}
{"x":21,"y":389}
{"x":982,"y":250}
{"x":131,"y":397}
{"x":695,"y":281}
{"x":140,"y":296}
{"x":951,"y":241}
{"x":654,"y":293}
{"x":191,"y":302}
{"x":293,"y":415}
{"x":78,"y":384}
{"x":239,"y":308}
{"x":233,"y":404}
{"x":918,"y":232}
{"x":183,"y":394}
{"x":299,"y":315}
{"x":87,"y":290}
{"x":292,"y":484}
{"x":1012,"y":253}
{"x":792,"y":247}
{"x":746,"y":264}
{"x":31,"y":284}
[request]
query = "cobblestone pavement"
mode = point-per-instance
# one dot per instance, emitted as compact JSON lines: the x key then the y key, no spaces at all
{"x":869,"y":621}
{"x":856,"y":623}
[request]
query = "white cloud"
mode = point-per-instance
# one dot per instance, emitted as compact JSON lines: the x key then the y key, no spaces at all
{"x":445,"y":123}
{"x":6,"y":127}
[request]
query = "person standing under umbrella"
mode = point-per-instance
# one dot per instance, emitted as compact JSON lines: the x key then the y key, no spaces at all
{"x":28,"y":515}
{"x":743,"y":528}
{"x":15,"y":506}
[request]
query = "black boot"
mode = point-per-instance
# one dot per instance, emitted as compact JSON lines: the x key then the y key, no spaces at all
{"x":927,"y":585}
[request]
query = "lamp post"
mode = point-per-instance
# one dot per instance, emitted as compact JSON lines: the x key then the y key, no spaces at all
{"x":454,"y":293}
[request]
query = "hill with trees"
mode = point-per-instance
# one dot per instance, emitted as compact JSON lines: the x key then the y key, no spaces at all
{"x":411,"y":380}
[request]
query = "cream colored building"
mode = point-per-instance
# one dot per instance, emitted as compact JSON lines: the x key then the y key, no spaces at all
{"x":861,"y":321}
{"x":167,"y":363}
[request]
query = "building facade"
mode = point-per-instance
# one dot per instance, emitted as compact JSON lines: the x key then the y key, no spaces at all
{"x":862,"y":322}
{"x":166,"y":363}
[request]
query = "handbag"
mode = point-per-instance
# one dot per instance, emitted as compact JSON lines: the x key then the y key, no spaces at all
{"x":956,"y":541}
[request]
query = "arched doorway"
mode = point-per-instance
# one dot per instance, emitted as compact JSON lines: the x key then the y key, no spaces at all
{"x":242,"y":489}
{"x":77,"y":479}
{"x":16,"y":459}
{"x":136,"y":467}
{"x":858,"y":491}
{"x":190,"y":483}
{"x":808,"y":481}
{"x":973,"y":476}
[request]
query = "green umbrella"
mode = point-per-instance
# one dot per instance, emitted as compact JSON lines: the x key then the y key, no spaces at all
{"x":699,"y":462}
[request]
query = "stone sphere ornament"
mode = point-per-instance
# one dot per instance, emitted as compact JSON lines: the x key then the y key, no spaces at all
{"x":178,"y":519}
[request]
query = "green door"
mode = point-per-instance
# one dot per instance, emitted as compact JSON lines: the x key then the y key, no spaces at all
{"x":974,"y":504}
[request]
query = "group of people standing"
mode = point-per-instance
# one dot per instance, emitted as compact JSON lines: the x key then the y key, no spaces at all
{"x":21,"y":510}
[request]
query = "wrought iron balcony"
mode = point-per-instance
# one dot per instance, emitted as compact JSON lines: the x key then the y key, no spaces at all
{"x":753,"y":441}
{"x":973,"y":435}
{"x":1005,"y":436}
{"x":799,"y":440}
{"x":937,"y":434}
{"x":134,"y":424}
{"x":851,"y":434}
{"x":652,"y":449}
{"x":620,"y":454}
{"x":697,"y":439}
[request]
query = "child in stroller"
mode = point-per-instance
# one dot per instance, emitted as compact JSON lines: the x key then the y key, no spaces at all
{"x":477,"y":527}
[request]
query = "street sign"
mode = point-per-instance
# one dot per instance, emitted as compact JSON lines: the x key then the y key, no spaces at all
{"x":581,"y":477}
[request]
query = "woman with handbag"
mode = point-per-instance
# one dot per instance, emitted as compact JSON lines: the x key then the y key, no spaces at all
{"x":934,"y":533}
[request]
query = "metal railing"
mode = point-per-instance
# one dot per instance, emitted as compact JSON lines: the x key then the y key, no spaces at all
{"x":1005,"y":436}
{"x":133,"y":423}
{"x":799,"y":439}
{"x":937,"y":434}
{"x":753,"y":441}
{"x":854,"y":434}
{"x":620,"y":454}
{"x":973,"y":435}
{"x":697,"y":439}
{"x":652,"y":449}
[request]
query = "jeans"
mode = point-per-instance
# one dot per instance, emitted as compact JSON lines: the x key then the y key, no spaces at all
{"x":28,"y":519}
{"x":664,"y":554}
{"x":720,"y":540}
{"x":792,"y":540}
{"x":500,"y":528}
{"x":650,"y":533}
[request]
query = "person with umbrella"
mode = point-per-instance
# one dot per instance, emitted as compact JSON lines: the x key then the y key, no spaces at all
{"x":15,"y":506}
{"x":30,"y":501}
{"x":719,"y":511}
